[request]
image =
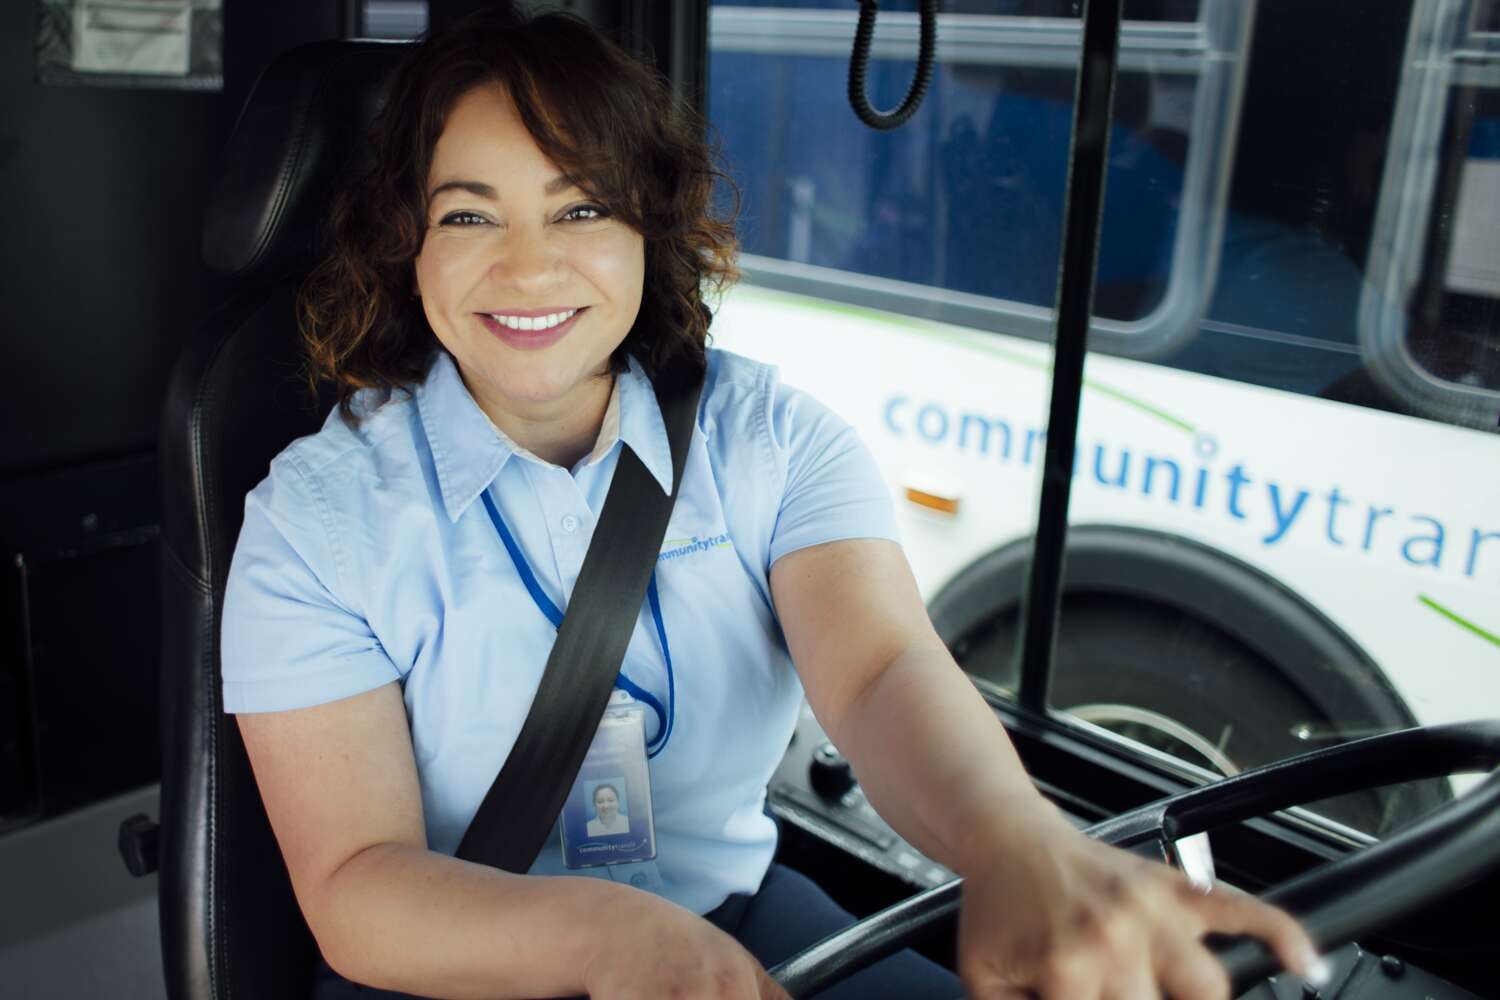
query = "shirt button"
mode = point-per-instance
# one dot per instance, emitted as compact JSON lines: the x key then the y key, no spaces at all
{"x":569,"y":523}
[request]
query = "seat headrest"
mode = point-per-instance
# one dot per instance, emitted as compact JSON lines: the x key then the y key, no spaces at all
{"x":308,"y":112}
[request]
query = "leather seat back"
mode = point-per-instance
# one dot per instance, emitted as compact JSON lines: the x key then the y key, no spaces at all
{"x":230,"y":925}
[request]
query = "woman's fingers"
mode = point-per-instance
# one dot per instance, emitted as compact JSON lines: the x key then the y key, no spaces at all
{"x":1077,"y":976}
{"x":1136,"y":981}
{"x":1232,"y":912}
{"x":1106,"y":926}
{"x":1186,"y":970}
{"x":1184,"y":967}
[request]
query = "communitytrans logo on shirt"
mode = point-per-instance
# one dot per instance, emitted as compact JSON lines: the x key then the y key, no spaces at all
{"x":675,"y":548}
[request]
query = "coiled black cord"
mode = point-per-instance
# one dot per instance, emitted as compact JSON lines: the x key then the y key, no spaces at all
{"x":859,"y":60}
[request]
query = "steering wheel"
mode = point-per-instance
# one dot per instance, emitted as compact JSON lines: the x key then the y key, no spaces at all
{"x":1336,"y":902}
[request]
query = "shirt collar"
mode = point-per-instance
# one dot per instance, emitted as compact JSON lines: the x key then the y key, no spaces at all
{"x":468,"y":451}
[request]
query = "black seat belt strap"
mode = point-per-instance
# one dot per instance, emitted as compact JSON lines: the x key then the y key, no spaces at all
{"x":524,"y":801}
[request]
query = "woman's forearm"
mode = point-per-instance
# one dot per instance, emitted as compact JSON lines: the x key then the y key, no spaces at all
{"x":936,"y":763}
{"x":409,"y":919}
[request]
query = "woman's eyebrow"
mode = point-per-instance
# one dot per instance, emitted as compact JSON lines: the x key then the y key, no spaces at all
{"x":473,"y":187}
{"x":556,"y":185}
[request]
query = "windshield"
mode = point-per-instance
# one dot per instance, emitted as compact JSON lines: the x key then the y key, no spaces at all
{"x":1283,"y":529}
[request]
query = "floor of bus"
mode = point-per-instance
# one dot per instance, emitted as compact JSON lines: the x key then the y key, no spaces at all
{"x":74,"y":924}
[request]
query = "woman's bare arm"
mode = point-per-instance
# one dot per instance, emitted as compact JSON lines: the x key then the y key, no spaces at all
{"x":340,"y":786}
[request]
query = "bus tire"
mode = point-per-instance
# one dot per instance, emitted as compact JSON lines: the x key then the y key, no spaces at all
{"x":1184,"y":648}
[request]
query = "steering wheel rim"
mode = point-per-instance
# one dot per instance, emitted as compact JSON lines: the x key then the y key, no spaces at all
{"x":1336,"y":902}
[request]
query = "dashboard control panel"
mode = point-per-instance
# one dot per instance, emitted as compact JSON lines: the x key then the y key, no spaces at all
{"x":814,"y":789}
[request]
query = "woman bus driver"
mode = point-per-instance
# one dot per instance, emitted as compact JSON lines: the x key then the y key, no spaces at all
{"x":528,"y":250}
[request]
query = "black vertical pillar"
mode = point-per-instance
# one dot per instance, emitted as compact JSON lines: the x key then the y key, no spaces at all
{"x":1082,"y":212}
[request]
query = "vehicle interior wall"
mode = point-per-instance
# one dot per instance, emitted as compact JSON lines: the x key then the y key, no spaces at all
{"x":103,"y":195}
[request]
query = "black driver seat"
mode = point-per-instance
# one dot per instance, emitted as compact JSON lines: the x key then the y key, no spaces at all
{"x":230,"y":926}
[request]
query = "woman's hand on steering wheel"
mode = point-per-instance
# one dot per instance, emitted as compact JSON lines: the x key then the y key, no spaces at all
{"x":1057,"y":916}
{"x":650,"y":949}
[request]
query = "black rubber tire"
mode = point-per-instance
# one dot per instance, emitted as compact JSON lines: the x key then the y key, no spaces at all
{"x":1130,"y":651}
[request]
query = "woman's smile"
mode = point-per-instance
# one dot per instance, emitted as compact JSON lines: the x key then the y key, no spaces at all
{"x":532,"y":330}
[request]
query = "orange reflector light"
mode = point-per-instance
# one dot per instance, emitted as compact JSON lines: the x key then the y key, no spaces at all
{"x":943,"y":505}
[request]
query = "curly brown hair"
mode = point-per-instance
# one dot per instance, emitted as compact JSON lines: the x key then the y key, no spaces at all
{"x":605,"y":118}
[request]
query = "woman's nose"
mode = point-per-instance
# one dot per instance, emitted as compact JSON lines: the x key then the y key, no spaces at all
{"x":527,"y":261}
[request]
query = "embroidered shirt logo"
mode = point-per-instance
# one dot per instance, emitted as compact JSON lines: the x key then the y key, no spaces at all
{"x":675,"y":548}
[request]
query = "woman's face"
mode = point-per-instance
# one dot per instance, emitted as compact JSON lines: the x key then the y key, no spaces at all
{"x":606,"y":804}
{"x":528,"y":283}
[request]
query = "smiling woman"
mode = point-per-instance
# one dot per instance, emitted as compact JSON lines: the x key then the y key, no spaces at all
{"x":522,"y":262}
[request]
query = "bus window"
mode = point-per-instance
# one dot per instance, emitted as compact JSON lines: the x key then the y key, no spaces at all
{"x":984,"y":166}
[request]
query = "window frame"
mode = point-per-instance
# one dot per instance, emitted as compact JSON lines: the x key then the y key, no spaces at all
{"x":1213,"y":49}
{"x":1445,"y":50}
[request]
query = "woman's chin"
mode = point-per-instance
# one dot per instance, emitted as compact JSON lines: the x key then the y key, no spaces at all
{"x":532,"y":388}
{"x":534,"y":391}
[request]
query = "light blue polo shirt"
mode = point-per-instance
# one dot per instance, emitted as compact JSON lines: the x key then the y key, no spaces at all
{"x":366,"y":557}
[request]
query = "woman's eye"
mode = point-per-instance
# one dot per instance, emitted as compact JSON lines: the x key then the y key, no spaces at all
{"x":463,"y":219}
{"x":585,"y":213}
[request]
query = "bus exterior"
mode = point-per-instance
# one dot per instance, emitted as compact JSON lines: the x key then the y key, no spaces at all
{"x":1285,"y":518}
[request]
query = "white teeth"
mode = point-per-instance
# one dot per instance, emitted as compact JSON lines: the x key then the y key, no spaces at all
{"x":533,"y":322}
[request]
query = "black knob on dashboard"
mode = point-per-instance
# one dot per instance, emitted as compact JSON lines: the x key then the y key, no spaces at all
{"x":829,"y":773}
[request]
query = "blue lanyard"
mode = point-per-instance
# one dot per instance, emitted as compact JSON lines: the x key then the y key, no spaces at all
{"x":664,"y":717}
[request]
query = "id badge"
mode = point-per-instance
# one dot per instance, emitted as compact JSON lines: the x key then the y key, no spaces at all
{"x":607,"y":820}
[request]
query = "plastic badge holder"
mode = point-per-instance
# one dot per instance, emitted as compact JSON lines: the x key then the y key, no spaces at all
{"x":607,"y":819}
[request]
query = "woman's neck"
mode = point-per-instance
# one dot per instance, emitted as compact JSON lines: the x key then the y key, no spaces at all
{"x":560,"y":432}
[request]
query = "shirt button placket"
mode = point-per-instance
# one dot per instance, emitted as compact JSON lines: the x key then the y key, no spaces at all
{"x":561,"y":499}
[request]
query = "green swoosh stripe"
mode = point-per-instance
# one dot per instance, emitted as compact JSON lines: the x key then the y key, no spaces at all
{"x":1459,"y":619}
{"x":968,"y":341}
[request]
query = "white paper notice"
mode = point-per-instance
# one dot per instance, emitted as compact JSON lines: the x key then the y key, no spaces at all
{"x":1474,"y":258}
{"x":132,"y":36}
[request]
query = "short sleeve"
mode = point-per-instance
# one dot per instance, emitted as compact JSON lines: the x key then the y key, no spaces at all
{"x":833,"y":489}
{"x":288,"y":640}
